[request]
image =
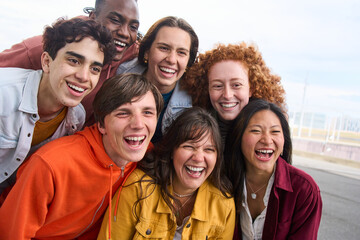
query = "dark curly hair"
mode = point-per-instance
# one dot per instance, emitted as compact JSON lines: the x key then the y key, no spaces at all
{"x":263,"y":84}
{"x":65,"y":31}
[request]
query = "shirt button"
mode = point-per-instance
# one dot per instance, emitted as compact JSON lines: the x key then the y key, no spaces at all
{"x":18,"y":159}
{"x":34,"y":115}
{"x":188,"y":225}
{"x":5,"y":173}
{"x":148,"y":232}
{"x":29,"y":134}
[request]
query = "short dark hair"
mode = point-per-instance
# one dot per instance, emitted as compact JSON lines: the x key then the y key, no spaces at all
{"x":99,"y":4}
{"x":170,"y":21}
{"x":192,"y":124}
{"x":234,"y":158}
{"x":122,"y":89}
{"x":65,"y":31}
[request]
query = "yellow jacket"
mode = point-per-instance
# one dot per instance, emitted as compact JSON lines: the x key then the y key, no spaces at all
{"x":213,"y":215}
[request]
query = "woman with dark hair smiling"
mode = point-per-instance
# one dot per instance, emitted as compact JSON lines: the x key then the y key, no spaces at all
{"x":166,"y":50}
{"x":178,"y":191}
{"x":274,"y":200}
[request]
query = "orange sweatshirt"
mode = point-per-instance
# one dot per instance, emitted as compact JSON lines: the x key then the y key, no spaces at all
{"x":63,"y":191}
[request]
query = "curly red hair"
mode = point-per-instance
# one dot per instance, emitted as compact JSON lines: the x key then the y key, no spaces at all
{"x":263,"y":84}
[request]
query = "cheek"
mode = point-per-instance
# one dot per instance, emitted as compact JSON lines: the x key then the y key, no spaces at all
{"x":243,"y":95}
{"x":214,"y":96}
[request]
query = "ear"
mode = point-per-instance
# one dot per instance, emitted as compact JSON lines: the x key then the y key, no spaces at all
{"x":146,"y":55}
{"x":101,"y":129}
{"x":45,"y":62}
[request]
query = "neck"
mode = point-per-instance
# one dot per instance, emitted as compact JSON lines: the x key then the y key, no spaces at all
{"x":162,"y":89}
{"x":48,"y":107}
{"x":257,"y":179}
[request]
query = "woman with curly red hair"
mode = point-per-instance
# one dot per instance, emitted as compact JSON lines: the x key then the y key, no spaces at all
{"x":225,"y":78}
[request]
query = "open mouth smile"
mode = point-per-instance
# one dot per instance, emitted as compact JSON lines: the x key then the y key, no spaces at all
{"x":135,"y":141}
{"x":264,"y":154}
{"x":194,"y":171}
{"x":76,"y":88}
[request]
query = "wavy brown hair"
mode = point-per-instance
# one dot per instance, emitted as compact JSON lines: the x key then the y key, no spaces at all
{"x":263,"y":84}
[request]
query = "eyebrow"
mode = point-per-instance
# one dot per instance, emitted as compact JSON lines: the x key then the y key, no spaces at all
{"x":123,"y":19}
{"x":82,"y":58}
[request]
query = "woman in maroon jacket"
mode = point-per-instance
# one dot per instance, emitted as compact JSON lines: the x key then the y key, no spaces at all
{"x":274,"y":200}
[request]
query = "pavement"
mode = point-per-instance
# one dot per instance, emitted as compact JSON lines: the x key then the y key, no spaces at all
{"x":337,"y":167}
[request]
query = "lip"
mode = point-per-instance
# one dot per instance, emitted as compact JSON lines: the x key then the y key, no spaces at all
{"x":264,"y":154}
{"x":167,"y":71}
{"x":135,"y":141}
{"x":76,"y":89}
{"x":194,"y":171}
{"x":228,"y":105}
{"x":120,"y":48}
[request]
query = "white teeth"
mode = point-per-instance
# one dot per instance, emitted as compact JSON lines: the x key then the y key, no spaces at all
{"x":136,"y":139}
{"x":195,"y":169}
{"x":121,"y":44}
{"x":228,"y":105}
{"x":168,"y":70}
{"x":79,"y":89}
{"x":266,"y":151}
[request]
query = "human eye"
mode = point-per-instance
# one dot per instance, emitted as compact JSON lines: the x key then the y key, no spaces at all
{"x":183,"y":53}
{"x":121,"y":114}
{"x":149,"y":112}
{"x":115,"y":20}
{"x":210,"y":149}
{"x":163,"y":48}
{"x":254,"y":130}
{"x":187,"y":146}
{"x":73,"y":61}
{"x":216,"y":86}
{"x":276,"y":131}
{"x":236,"y":85}
{"x":96,"y":70}
{"x":134,"y":27}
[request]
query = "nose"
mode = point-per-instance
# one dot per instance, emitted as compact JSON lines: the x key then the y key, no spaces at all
{"x":228,"y":93}
{"x":83,"y":74}
{"x":123,"y":31}
{"x":198,"y":156}
{"x":137,"y":121}
{"x":266,"y":138}
{"x":171,"y":57}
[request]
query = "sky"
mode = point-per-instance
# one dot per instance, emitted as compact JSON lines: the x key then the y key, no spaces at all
{"x":314,"y":45}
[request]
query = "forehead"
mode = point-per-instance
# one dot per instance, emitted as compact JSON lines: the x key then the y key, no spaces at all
{"x":146,"y":101}
{"x":88,"y":48}
{"x":173,"y":36}
{"x":228,"y":69}
{"x":126,"y":8}
{"x":265,"y":117}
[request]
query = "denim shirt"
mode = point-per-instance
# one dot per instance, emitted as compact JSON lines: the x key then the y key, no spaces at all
{"x":18,"y":115}
{"x":179,"y":100}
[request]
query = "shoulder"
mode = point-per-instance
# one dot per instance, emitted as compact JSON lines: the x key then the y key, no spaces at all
{"x":64,"y":149}
{"x":132,"y":66}
{"x":216,"y":195}
{"x":13,"y":75}
{"x":302,"y":180}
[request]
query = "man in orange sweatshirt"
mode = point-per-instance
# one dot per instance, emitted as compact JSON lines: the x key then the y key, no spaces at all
{"x":121,"y":17}
{"x":65,"y":187}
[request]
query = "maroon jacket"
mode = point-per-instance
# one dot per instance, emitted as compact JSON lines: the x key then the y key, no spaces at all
{"x":27,"y":54}
{"x":294,"y":207}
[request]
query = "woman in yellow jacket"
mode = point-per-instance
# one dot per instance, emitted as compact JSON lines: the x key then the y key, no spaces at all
{"x":178,"y":191}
